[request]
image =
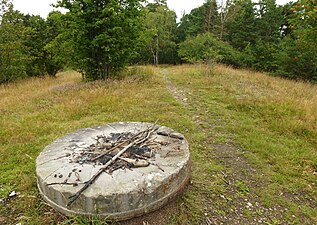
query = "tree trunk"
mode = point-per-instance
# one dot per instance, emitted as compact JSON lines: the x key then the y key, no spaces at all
{"x":106,"y":71}
{"x":157,"y":51}
{"x":154,"y":55}
{"x":208,"y":19}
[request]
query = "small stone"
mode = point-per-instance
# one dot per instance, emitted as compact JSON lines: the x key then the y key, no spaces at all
{"x":13,"y":194}
{"x":249,"y":204}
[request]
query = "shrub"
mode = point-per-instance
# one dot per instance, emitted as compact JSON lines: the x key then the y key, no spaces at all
{"x":209,"y":49}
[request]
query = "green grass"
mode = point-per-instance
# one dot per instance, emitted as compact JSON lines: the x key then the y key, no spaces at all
{"x":273,"y":120}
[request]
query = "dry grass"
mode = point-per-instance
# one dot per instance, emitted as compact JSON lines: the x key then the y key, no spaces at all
{"x":35,"y":112}
{"x":300,"y":96}
{"x":273,"y":119}
{"x":299,"y":99}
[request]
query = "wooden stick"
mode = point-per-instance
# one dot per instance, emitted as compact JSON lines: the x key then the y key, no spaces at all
{"x":172,"y":135}
{"x":74,"y":197}
{"x":118,"y":145}
{"x":64,"y":183}
{"x":136,"y":162}
{"x":108,"y":151}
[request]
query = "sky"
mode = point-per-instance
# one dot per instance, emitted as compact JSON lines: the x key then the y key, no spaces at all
{"x":42,"y":7}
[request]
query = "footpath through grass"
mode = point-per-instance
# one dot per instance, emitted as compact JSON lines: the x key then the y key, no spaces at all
{"x":266,"y":127}
{"x":272,"y":125}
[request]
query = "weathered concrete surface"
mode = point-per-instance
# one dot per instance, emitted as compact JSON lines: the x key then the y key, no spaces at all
{"x":122,"y":195}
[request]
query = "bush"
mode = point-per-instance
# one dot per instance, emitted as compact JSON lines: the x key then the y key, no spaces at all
{"x":209,"y":49}
{"x":299,"y":59}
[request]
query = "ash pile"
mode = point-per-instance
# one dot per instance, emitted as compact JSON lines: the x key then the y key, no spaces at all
{"x":140,"y":154}
{"x":126,"y":150}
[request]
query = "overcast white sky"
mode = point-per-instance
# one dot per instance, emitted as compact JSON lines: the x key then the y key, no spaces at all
{"x":42,"y":7}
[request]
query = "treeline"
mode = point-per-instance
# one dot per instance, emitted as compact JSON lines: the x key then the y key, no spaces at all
{"x":30,"y":45}
{"x":99,"y":38}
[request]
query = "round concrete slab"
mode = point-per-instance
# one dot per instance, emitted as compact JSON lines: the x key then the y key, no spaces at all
{"x":122,"y":195}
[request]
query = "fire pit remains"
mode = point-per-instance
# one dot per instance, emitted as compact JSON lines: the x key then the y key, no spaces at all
{"x":118,"y":170}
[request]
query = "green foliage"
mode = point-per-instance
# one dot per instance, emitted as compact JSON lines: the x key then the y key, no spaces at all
{"x":269,"y":19}
{"x":305,"y":13}
{"x":35,"y":44}
{"x":256,"y":32}
{"x":157,"y":41}
{"x":46,"y":49}
{"x":57,"y":48}
{"x":207,"y":48}
{"x":99,"y":37}
{"x":200,"y":20}
{"x":102,"y":34}
{"x":13,"y":59}
{"x":266,"y":56}
{"x":300,"y":47}
{"x":299,"y":59}
{"x":27,"y":44}
{"x":242,"y":187}
{"x":241,"y":30}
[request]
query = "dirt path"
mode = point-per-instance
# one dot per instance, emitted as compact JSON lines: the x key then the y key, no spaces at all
{"x":238,"y":201}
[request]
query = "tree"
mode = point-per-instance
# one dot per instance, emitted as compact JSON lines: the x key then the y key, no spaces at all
{"x":228,"y":10}
{"x":158,"y":37}
{"x":57,"y":48}
{"x":242,"y":30}
{"x":102,"y":34}
{"x":300,"y":45}
{"x":269,"y":21}
{"x":13,"y":59}
{"x":256,"y":31}
{"x":200,"y":20}
{"x":45,"y":46}
{"x":35,"y":44}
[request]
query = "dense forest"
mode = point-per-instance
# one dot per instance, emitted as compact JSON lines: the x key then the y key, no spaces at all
{"x":99,"y":38}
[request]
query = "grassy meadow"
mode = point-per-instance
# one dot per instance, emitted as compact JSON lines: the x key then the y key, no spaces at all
{"x":252,"y":137}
